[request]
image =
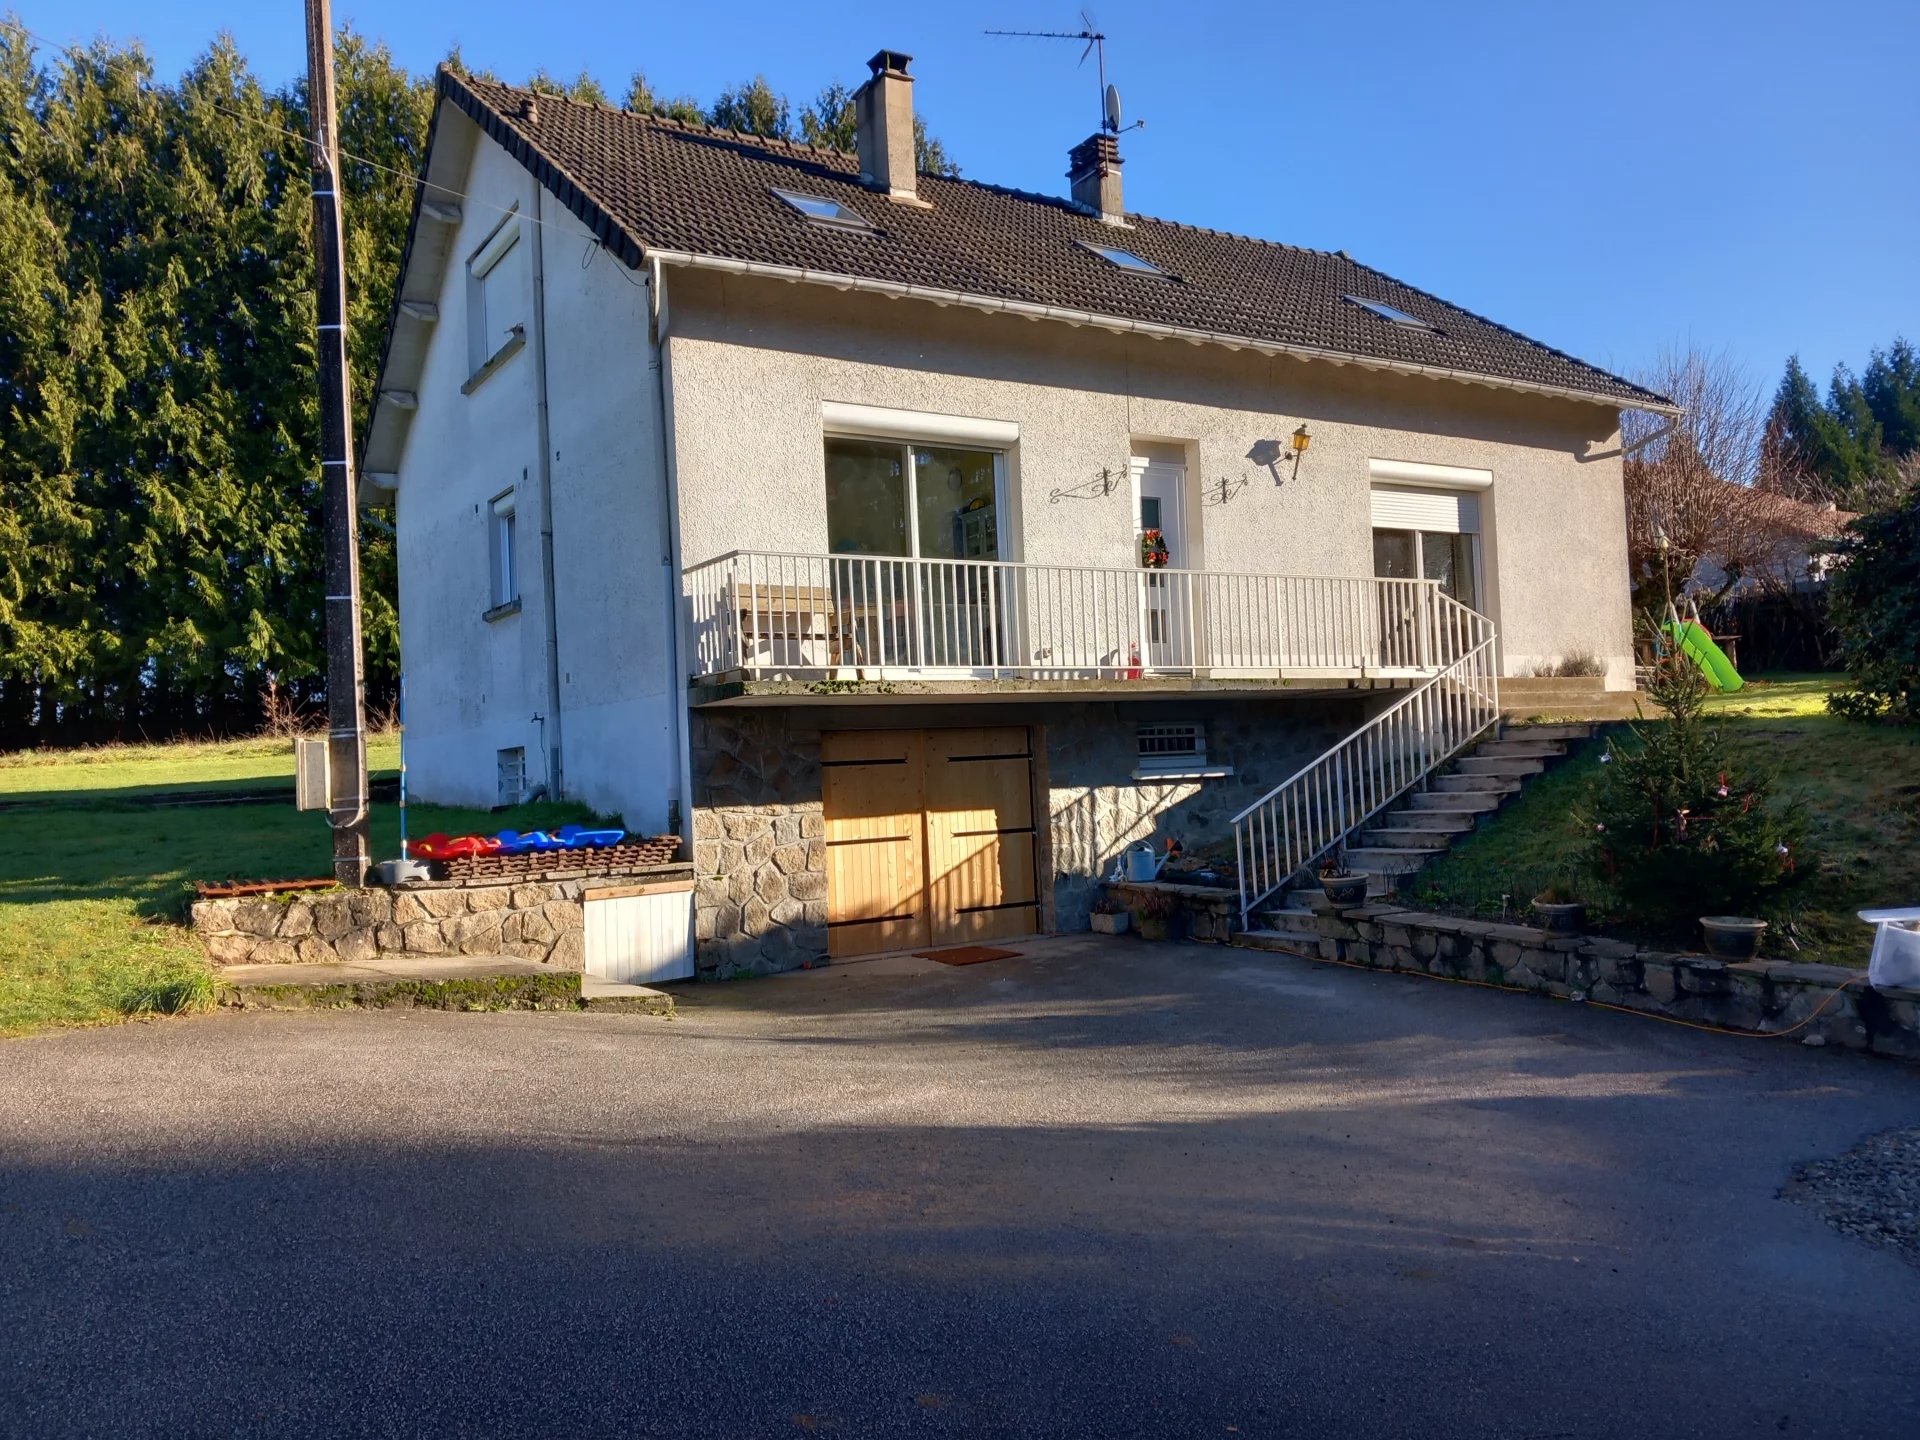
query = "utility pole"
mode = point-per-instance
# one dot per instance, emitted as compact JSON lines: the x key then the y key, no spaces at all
{"x":346,"y":724}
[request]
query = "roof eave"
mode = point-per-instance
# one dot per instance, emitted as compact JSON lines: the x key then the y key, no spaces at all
{"x":1125,"y":325}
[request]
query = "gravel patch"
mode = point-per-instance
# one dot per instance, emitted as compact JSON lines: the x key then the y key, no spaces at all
{"x":1871,"y":1193}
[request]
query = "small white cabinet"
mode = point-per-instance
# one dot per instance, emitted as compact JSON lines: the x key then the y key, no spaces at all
{"x":640,"y":934}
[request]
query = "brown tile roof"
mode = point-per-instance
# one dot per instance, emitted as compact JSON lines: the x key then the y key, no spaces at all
{"x":644,"y":183}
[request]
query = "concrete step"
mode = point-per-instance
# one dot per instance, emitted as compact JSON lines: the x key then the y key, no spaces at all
{"x":1533,"y":684}
{"x":1522,"y":730}
{"x":1279,"y":942}
{"x":1471,"y":783}
{"x":430,"y":982}
{"x":1497,"y":765}
{"x":1520,"y":749}
{"x":1288,"y":922}
{"x":1388,"y":838}
{"x":1442,"y":822}
{"x":1400,"y":860}
{"x":1454,"y":802}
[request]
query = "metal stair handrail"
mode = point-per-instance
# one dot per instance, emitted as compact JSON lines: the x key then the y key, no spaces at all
{"x":1312,"y":812}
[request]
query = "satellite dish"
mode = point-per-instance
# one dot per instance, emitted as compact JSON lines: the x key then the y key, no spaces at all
{"x":1113,"y":109}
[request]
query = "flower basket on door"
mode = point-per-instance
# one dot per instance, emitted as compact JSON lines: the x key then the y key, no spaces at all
{"x":1153,"y":550}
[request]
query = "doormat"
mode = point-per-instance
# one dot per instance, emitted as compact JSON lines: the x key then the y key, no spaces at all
{"x":966,"y":955}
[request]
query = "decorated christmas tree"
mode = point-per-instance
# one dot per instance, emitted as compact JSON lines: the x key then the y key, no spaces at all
{"x":1680,"y":827}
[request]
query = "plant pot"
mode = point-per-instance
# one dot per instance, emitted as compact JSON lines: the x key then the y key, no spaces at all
{"x":1152,"y":928}
{"x":1111,"y":924}
{"x":1561,"y":917}
{"x":1732,"y":937}
{"x":1348,"y":889}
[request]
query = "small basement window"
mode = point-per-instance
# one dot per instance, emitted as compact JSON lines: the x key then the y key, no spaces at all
{"x":1393,"y":313}
{"x":1175,"y":751}
{"x":1125,"y":259}
{"x":512,"y":771}
{"x":823,"y":210}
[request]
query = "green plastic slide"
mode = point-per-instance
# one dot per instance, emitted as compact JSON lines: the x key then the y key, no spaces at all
{"x":1698,"y":647}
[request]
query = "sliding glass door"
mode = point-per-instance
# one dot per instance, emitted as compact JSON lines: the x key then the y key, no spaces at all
{"x":891,"y":504}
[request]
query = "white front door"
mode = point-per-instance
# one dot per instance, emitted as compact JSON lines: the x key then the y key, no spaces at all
{"x":1166,"y":601}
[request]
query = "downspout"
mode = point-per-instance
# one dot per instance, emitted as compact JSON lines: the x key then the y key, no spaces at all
{"x":556,"y":776}
{"x":680,"y":805}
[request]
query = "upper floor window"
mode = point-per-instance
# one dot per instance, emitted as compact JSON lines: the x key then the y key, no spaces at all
{"x":1392,"y":312}
{"x":503,"y":544}
{"x":823,"y":209}
{"x":496,"y":296}
{"x":898,"y":498}
{"x":1125,"y":259}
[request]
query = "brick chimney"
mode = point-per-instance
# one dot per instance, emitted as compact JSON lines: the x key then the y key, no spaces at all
{"x":883,"y":118}
{"x":1093,"y":168}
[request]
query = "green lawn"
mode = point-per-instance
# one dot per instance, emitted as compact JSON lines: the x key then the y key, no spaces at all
{"x":1860,"y":784}
{"x":92,"y":884}
{"x":212,"y":765}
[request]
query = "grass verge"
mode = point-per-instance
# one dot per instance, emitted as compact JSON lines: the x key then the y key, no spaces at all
{"x":92,"y":887}
{"x":1859,"y":783}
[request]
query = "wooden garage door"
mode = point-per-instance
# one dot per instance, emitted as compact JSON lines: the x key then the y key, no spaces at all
{"x":930,"y":837}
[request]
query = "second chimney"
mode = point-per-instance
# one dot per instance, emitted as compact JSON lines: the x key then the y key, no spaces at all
{"x":883,"y":118}
{"x":1093,"y":168}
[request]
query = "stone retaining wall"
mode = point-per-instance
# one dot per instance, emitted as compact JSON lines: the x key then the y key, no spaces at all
{"x":533,"y":921}
{"x":1201,"y":912}
{"x":1759,"y":995}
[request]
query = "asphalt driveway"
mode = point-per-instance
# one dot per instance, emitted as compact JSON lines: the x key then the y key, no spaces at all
{"x":1106,"y":1189}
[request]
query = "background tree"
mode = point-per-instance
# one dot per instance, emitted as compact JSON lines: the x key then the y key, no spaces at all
{"x":1876,"y":605}
{"x":1847,"y":448}
{"x":829,"y":122}
{"x":1711,"y":487}
{"x":160,"y":562}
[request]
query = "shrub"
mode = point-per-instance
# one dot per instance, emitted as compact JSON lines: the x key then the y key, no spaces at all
{"x":1875,"y":604}
{"x":1679,"y":829}
{"x":1580,"y":665}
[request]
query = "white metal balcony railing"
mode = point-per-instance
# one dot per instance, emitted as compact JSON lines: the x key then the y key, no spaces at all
{"x":1313,"y":812}
{"x":760,"y":615}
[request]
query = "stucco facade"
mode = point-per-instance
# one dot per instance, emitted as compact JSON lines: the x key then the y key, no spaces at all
{"x":753,"y":361}
{"x":473,"y":685}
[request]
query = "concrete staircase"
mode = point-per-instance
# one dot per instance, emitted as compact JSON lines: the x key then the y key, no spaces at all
{"x":1424,"y":823}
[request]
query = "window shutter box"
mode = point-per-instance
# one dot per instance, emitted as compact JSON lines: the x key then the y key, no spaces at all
{"x":1446,"y":512}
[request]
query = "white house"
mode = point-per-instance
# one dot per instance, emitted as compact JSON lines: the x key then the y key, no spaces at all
{"x":808,"y":505}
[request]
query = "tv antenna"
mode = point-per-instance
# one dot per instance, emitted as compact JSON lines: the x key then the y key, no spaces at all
{"x":1096,"y":43}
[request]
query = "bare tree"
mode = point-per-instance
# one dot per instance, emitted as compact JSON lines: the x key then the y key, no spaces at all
{"x":1709,"y":499}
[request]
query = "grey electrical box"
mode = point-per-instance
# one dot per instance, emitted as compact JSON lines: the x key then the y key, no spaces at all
{"x":310,"y":772}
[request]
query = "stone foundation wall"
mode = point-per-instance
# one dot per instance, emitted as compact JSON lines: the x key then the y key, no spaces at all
{"x":759,"y":849}
{"x":1760,"y":995}
{"x":534,"y":921}
{"x":1098,"y":808}
{"x":759,"y":843}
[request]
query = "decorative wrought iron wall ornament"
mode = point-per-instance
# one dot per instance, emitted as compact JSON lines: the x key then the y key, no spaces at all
{"x":1219,"y":492}
{"x":1102,"y":485}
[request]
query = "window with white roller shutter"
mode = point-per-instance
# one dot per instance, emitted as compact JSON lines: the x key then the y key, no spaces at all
{"x":1428,"y":534}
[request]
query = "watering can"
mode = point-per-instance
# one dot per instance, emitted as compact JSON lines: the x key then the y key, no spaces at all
{"x":1142,"y":864}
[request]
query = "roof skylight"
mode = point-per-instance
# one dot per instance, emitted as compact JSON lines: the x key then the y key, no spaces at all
{"x":1390,"y":312}
{"x":822,"y":209}
{"x":1125,"y":259}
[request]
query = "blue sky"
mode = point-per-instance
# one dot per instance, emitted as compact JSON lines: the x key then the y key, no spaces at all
{"x":1736,"y":174}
